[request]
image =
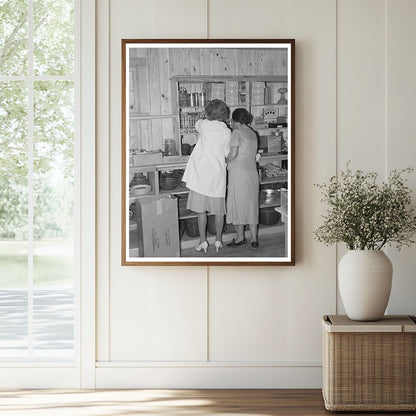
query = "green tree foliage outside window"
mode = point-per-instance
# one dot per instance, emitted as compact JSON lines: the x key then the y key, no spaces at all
{"x":53,"y":118}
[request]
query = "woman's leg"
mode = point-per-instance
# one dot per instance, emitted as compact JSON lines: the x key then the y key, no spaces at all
{"x":202,"y":226}
{"x":219,"y":225}
{"x":253,"y":230}
{"x":240,"y":232}
{"x":254,"y":242}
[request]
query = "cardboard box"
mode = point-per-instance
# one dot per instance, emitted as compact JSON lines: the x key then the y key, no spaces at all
{"x":158,"y":226}
{"x":270,"y":144}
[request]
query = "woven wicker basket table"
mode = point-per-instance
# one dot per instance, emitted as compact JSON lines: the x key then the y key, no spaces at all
{"x":369,"y":366}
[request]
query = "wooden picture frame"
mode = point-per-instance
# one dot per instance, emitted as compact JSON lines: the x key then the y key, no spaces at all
{"x":166,"y":84}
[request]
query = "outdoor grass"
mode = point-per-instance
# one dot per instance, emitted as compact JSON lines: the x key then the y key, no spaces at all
{"x":52,"y":263}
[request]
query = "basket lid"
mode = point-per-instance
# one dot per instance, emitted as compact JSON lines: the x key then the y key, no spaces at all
{"x":389,"y":323}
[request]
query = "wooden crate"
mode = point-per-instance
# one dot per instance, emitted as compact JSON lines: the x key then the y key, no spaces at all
{"x":369,"y":366}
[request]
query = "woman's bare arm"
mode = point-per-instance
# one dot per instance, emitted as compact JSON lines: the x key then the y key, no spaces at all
{"x":233,"y":153}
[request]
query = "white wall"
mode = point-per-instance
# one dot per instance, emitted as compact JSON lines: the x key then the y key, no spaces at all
{"x":254,"y":326}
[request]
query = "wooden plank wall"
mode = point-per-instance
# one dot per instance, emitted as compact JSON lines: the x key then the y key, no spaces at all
{"x":155,"y":88}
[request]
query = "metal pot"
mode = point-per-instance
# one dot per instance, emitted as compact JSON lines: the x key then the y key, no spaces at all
{"x":269,"y":195}
{"x":269,"y":216}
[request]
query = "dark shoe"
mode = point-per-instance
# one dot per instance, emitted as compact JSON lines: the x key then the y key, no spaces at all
{"x":234,"y":243}
{"x":255,"y":245}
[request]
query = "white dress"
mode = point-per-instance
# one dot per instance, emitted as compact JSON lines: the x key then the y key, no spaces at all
{"x":205,"y":172}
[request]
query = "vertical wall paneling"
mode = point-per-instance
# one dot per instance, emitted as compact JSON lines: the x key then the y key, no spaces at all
{"x":313,"y":25}
{"x":401,"y":134}
{"x":179,"y":325}
{"x":157,"y":66}
{"x":103,"y":191}
{"x":177,"y":19}
{"x":244,"y":19}
{"x":361,"y":84}
{"x":162,"y":316}
{"x":145,"y":134}
{"x":248,"y":315}
{"x":204,"y":59}
{"x":165,"y":90}
{"x":315,"y":142}
{"x":257,"y":327}
{"x":154,"y":80}
{"x":176,"y":56}
{"x":143,"y":83}
{"x":155,"y":314}
{"x":361,"y":88}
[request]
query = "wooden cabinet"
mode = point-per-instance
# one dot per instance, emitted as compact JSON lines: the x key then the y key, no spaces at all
{"x":263,"y":96}
{"x":151,"y":119}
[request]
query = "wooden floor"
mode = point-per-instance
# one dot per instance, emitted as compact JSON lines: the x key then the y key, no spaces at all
{"x":165,"y":402}
{"x":269,"y":246}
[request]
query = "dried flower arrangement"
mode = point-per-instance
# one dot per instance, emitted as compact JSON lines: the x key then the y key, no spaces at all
{"x":366,"y":215}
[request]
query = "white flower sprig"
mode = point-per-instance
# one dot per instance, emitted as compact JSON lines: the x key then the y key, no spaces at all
{"x":365,"y":215}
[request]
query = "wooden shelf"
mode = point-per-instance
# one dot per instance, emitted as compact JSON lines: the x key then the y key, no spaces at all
{"x":151,"y":116}
{"x":270,"y":157}
{"x":188,"y":216}
{"x":177,"y":191}
{"x":192,"y":109}
{"x":223,"y":78}
{"x":273,"y":180}
{"x":143,"y":169}
{"x":265,"y":105}
{"x":171,"y":165}
{"x":270,"y":205}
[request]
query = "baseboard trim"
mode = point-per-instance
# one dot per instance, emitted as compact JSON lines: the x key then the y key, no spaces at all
{"x":39,"y":378}
{"x":210,"y":377}
{"x":204,"y":364}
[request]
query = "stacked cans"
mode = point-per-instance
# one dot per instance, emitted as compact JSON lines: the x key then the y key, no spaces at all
{"x":197,"y":99}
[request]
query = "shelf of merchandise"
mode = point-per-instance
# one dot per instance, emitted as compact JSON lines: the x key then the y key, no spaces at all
{"x":241,"y":95}
{"x":183,"y":131}
{"x":181,"y":190}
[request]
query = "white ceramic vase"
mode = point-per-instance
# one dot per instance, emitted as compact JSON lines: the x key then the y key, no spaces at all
{"x":364,"y":278}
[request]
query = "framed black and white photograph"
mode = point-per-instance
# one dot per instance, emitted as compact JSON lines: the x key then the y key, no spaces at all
{"x":208,"y":152}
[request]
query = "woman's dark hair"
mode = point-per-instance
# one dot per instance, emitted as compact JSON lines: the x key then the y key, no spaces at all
{"x":241,"y":115}
{"x":217,"y":110}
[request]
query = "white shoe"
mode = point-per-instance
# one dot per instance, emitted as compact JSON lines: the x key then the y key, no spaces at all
{"x":218,"y":245}
{"x":202,"y":246}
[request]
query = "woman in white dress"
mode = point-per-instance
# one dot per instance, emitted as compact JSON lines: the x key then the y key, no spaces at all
{"x":205,"y":172}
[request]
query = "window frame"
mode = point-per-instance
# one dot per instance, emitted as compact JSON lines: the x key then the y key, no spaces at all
{"x":81,"y":371}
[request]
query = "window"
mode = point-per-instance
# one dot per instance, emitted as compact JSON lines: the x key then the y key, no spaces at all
{"x":38,"y":185}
